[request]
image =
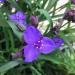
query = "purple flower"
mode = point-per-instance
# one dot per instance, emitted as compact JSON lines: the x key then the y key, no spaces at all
{"x":34,"y":20}
{"x":36,"y":44}
{"x":19,"y":18}
{"x":73,"y":1}
{"x":2,"y":1}
{"x":58,"y":41}
{"x":70,"y":15}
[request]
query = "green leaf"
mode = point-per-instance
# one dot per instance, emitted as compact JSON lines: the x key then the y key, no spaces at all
{"x":51,"y":4}
{"x":46,"y":14}
{"x":3,"y":22}
{"x":44,"y":2}
{"x":8,"y":66}
{"x":51,"y":58}
{"x":28,"y":2}
{"x":14,"y":3}
{"x":48,"y":17}
{"x":35,"y":70}
{"x":15,"y":30}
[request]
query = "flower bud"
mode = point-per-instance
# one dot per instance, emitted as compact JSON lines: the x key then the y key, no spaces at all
{"x":34,"y":20}
{"x":70,"y":15}
{"x":73,"y":1}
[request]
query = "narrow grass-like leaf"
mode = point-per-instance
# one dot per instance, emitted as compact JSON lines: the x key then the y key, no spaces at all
{"x":15,"y":30}
{"x":52,"y":58}
{"x":8,"y":66}
{"x":51,"y":4}
{"x":48,"y":17}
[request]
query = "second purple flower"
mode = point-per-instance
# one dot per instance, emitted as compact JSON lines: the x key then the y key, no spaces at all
{"x":19,"y":18}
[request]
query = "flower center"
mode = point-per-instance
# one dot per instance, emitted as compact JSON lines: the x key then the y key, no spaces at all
{"x":38,"y":43}
{"x":17,"y":17}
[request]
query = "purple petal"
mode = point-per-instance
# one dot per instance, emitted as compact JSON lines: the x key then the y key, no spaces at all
{"x":2,"y":0}
{"x":20,"y":15}
{"x":58,"y":41}
{"x":32,"y":35}
{"x":13,"y":18}
{"x":47,"y":45}
{"x":30,"y":53}
{"x":22,"y":23}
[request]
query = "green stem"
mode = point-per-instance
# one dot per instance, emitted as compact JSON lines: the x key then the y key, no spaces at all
{"x":69,"y":23}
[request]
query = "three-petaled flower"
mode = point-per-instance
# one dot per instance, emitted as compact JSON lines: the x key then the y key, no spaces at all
{"x":36,"y":44}
{"x":19,"y":18}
